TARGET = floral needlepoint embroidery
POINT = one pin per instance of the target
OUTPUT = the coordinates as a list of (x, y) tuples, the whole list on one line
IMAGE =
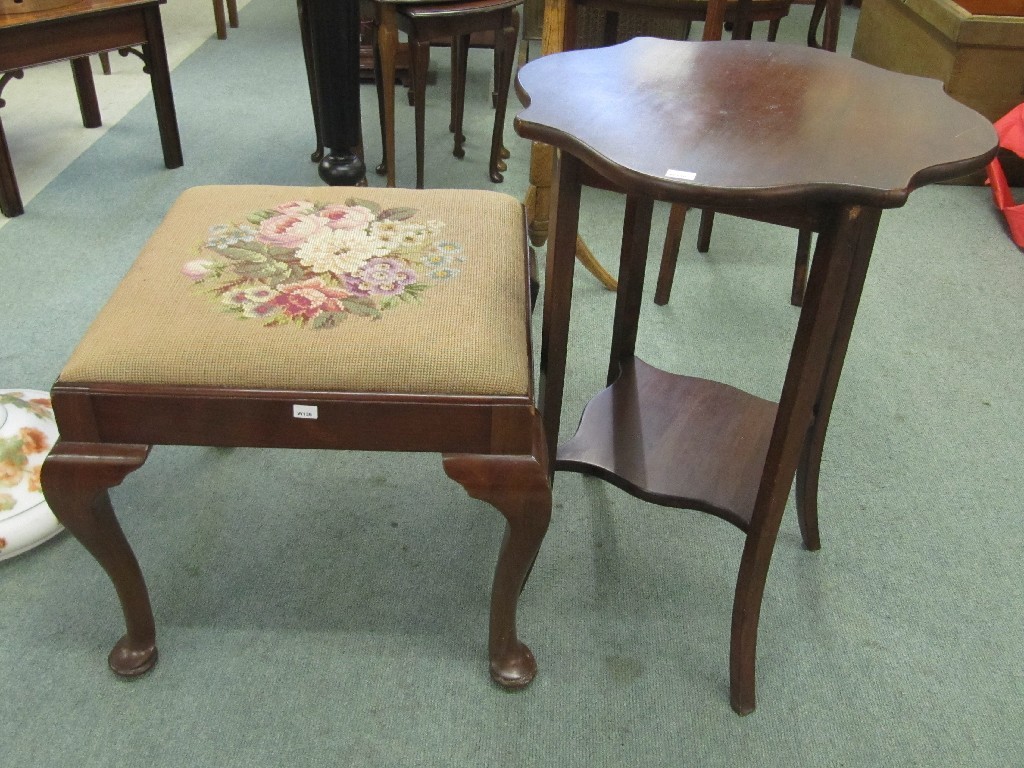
[(315, 264)]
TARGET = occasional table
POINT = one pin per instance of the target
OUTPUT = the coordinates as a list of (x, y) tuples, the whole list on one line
[(74, 31), (559, 34), (783, 134)]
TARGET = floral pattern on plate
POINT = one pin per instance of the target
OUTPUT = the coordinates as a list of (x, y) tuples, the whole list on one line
[(27, 433)]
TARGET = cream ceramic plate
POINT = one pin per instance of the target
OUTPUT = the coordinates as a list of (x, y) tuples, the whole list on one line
[(27, 432)]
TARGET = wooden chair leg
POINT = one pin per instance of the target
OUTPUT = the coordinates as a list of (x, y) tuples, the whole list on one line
[(587, 258), (307, 55), (387, 51), (105, 62), (518, 487), (670, 254), (10, 198), (497, 72), (453, 101), (420, 57), (219, 20), (233, 14), (504, 45), (773, 29), (803, 257), (378, 78), (75, 480), (516, 21), (707, 222), (85, 87), (495, 75), (461, 43)]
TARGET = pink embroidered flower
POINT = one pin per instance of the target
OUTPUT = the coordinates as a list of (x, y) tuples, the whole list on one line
[(309, 298), (197, 269), (296, 208), (288, 231), (381, 277), (253, 300), (347, 216), (337, 260)]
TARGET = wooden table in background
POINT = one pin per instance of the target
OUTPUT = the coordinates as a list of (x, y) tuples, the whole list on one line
[(75, 32)]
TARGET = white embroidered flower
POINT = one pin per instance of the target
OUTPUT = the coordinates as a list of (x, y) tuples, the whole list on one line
[(340, 251), (400, 234)]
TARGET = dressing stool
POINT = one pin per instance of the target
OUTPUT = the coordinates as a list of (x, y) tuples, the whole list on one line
[(283, 317)]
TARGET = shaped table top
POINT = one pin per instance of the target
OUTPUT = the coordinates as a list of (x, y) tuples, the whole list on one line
[(739, 122)]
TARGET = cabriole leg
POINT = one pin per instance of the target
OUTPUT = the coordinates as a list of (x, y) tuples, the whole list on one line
[(518, 487), (75, 480)]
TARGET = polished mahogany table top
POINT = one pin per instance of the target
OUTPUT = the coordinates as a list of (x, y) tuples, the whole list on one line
[(736, 121)]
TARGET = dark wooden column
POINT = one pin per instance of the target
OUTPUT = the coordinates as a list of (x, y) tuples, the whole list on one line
[(333, 26)]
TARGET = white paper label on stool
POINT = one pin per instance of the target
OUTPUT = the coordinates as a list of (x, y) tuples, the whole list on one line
[(304, 411), (672, 173)]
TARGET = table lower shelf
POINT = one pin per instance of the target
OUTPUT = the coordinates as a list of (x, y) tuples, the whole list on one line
[(674, 440)]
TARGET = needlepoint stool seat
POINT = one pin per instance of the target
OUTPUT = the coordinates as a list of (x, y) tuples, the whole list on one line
[(390, 320)]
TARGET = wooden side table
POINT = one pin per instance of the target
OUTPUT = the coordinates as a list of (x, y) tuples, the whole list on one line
[(559, 34), (80, 30), (783, 134)]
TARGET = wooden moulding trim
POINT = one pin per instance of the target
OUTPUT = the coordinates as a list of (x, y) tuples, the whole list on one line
[(29, 44), (993, 7), (18, 7), (72, 408), (527, 292), (667, 190), (960, 24), (260, 419), (427, 12)]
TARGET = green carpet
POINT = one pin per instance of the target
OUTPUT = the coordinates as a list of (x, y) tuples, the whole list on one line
[(325, 609)]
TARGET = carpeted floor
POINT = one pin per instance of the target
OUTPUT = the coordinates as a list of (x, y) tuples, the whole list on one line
[(319, 609)]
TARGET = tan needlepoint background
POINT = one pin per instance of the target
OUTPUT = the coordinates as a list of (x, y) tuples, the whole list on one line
[(466, 335)]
